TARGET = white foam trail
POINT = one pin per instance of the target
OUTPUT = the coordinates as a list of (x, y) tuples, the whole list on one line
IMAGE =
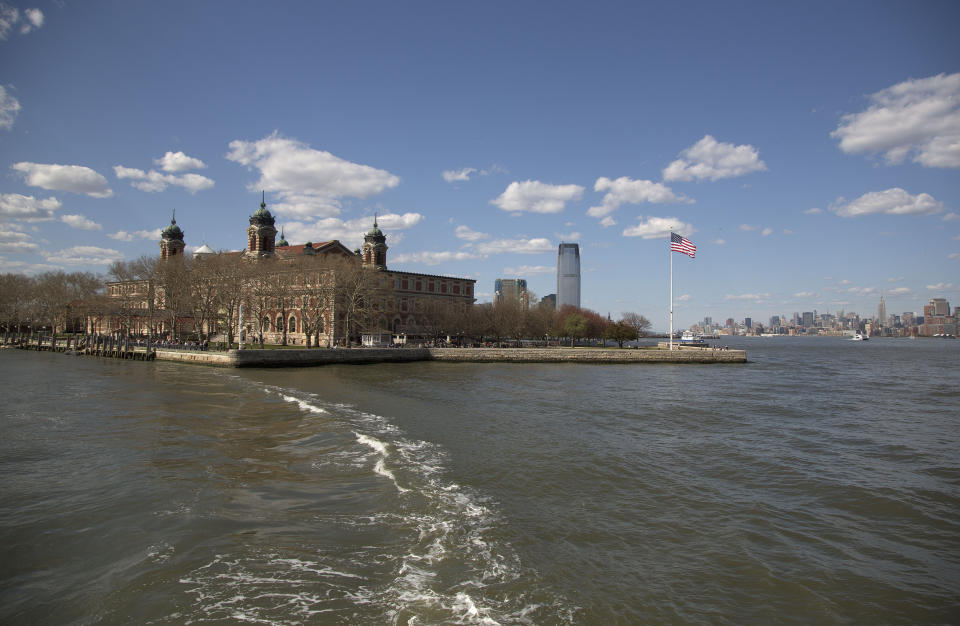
[(380, 467), (306, 406)]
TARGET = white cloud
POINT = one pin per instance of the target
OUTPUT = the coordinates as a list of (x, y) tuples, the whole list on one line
[(122, 235), (608, 221), (14, 241), (684, 298), (154, 181), (574, 236), (659, 227), (719, 242), (84, 255), (755, 297), (19, 207), (949, 217), (81, 222), (434, 258), (899, 291), (955, 255), (529, 270), (747, 227), (34, 17), (814, 211), (625, 190), (178, 162), (309, 182), (349, 232), (10, 17), (919, 117), (73, 178), (452, 176), (766, 231), (713, 160), (468, 234), (804, 294), (895, 279), (537, 197), (9, 108), (893, 201), (518, 246), (940, 286)]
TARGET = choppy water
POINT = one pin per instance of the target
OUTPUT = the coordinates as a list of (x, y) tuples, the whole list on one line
[(819, 483)]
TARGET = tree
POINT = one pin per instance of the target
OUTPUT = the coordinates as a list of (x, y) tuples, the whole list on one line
[(16, 300), (258, 298), (620, 332), (313, 295), (355, 290), (639, 323), (575, 327)]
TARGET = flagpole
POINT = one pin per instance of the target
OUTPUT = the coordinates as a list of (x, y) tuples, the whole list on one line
[(670, 252)]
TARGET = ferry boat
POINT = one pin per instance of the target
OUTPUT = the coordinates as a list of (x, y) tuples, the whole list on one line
[(688, 338), (860, 337)]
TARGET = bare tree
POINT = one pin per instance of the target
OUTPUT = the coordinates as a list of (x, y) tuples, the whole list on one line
[(16, 300), (638, 323)]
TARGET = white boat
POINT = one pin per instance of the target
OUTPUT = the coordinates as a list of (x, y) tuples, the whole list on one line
[(688, 338), (860, 337)]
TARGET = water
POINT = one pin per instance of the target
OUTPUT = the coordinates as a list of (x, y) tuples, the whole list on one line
[(819, 483)]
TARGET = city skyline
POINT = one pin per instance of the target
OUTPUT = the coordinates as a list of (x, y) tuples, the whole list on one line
[(811, 152)]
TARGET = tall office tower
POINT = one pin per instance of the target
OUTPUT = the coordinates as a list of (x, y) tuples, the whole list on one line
[(882, 312), (568, 275), (510, 290)]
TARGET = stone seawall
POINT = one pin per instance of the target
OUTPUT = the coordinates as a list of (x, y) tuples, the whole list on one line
[(321, 356)]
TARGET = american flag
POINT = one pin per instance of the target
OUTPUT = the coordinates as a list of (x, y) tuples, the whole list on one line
[(682, 244)]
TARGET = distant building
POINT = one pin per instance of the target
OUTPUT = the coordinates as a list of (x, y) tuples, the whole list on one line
[(882, 312), (807, 319), (748, 322), (774, 321), (510, 290), (568, 275), (937, 319), (549, 300)]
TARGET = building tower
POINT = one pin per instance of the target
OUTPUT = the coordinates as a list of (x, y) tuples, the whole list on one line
[(171, 239), (261, 234), (568, 275), (374, 249), (511, 290), (282, 241), (882, 312)]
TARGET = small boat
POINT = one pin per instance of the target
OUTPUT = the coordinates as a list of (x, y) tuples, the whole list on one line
[(860, 337)]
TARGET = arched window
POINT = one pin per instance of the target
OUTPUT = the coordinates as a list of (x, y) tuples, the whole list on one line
[(293, 324), (280, 324)]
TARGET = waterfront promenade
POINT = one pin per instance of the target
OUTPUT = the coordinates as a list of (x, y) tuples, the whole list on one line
[(326, 356)]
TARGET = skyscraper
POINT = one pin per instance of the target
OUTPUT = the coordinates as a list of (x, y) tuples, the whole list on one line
[(510, 290), (568, 275), (882, 312)]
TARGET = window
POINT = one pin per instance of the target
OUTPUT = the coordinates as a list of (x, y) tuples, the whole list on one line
[(456, 289), (279, 324), (419, 285), (293, 324), (443, 287), (404, 284)]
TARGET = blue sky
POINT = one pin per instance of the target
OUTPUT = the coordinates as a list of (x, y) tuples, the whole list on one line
[(811, 151)]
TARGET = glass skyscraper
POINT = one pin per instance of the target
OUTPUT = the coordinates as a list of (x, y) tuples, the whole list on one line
[(568, 275)]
